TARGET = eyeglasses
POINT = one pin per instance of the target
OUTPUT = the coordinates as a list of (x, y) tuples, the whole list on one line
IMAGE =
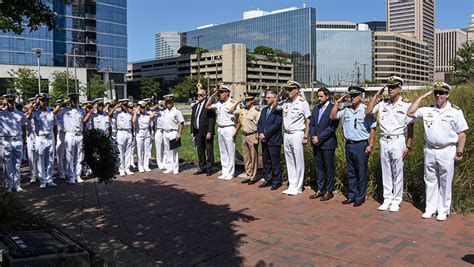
[(440, 92), (201, 95)]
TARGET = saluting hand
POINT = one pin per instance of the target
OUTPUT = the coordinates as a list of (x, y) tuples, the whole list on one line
[(430, 92), (342, 98)]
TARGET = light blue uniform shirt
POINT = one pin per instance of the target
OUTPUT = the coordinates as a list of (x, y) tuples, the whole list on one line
[(355, 124)]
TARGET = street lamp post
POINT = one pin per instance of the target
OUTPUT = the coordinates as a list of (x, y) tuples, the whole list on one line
[(75, 70), (38, 55), (199, 56)]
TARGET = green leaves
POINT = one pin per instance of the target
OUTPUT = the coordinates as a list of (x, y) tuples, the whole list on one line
[(95, 88), (149, 87), (24, 82), (463, 64), (16, 14)]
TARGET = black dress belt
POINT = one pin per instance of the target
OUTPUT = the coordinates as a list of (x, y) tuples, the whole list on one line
[(354, 142), (246, 134)]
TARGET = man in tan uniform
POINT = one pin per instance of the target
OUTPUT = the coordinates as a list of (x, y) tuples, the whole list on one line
[(248, 120)]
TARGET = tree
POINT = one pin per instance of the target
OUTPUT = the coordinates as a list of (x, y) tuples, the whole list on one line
[(463, 64), (24, 82), (149, 87), (16, 14), (95, 87), (59, 85), (263, 50), (187, 88)]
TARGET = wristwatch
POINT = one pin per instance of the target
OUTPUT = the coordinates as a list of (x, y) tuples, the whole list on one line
[(458, 154)]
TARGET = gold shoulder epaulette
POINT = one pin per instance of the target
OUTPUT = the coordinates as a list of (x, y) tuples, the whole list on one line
[(302, 98), (232, 101), (455, 107), (406, 100)]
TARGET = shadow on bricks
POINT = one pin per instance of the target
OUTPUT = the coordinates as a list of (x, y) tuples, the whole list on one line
[(141, 222)]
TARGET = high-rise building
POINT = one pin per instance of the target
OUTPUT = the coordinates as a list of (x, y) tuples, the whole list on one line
[(231, 65), (377, 26), (344, 53), (91, 36), (447, 42), (415, 17), (291, 31), (167, 44), (470, 30), (402, 55)]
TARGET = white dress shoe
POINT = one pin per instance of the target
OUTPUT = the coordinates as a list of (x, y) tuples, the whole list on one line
[(141, 170), (384, 206), (128, 172), (427, 215), (19, 189), (394, 208), (221, 177), (79, 180), (43, 186), (122, 173), (175, 172), (148, 170), (167, 171), (441, 217), (228, 178), (51, 184)]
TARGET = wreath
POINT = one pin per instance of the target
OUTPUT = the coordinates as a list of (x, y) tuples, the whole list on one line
[(101, 154)]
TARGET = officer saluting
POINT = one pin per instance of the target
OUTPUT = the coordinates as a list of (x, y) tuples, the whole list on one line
[(225, 131), (100, 118), (44, 121), (123, 120), (74, 119), (248, 120), (445, 137), (30, 142), (13, 138), (394, 123), (359, 131), (296, 118)]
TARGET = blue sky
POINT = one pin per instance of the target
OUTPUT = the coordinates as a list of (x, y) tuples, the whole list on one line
[(145, 17)]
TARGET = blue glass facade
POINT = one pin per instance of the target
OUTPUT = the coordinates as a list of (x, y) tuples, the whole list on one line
[(96, 30), (292, 32), (342, 56)]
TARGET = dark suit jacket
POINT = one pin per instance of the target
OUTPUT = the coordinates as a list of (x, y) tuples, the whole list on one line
[(271, 126), (207, 120), (325, 129)]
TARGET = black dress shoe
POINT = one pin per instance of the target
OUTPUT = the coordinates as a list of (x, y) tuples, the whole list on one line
[(208, 172), (327, 196), (317, 195), (357, 204), (275, 186), (348, 201), (265, 184), (200, 171), (245, 181), (253, 181)]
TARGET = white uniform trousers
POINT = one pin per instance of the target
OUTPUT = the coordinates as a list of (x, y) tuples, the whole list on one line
[(133, 151), (74, 155), (439, 172), (44, 147), (391, 159), (160, 149), (31, 154), (143, 151), (172, 156), (61, 153), (124, 143), (294, 157), (227, 150), (12, 153)]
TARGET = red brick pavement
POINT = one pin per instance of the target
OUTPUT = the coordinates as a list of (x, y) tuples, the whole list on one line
[(187, 219)]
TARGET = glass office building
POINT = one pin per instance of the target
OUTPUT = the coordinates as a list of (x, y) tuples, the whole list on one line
[(292, 32), (90, 34), (344, 57)]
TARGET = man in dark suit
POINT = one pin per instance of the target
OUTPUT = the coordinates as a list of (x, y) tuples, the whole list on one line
[(269, 134), (202, 131), (323, 137)]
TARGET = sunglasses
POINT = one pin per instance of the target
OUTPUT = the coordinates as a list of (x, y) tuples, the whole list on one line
[(201, 94), (440, 92)]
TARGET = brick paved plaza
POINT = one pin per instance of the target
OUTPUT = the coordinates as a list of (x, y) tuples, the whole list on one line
[(197, 220)]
